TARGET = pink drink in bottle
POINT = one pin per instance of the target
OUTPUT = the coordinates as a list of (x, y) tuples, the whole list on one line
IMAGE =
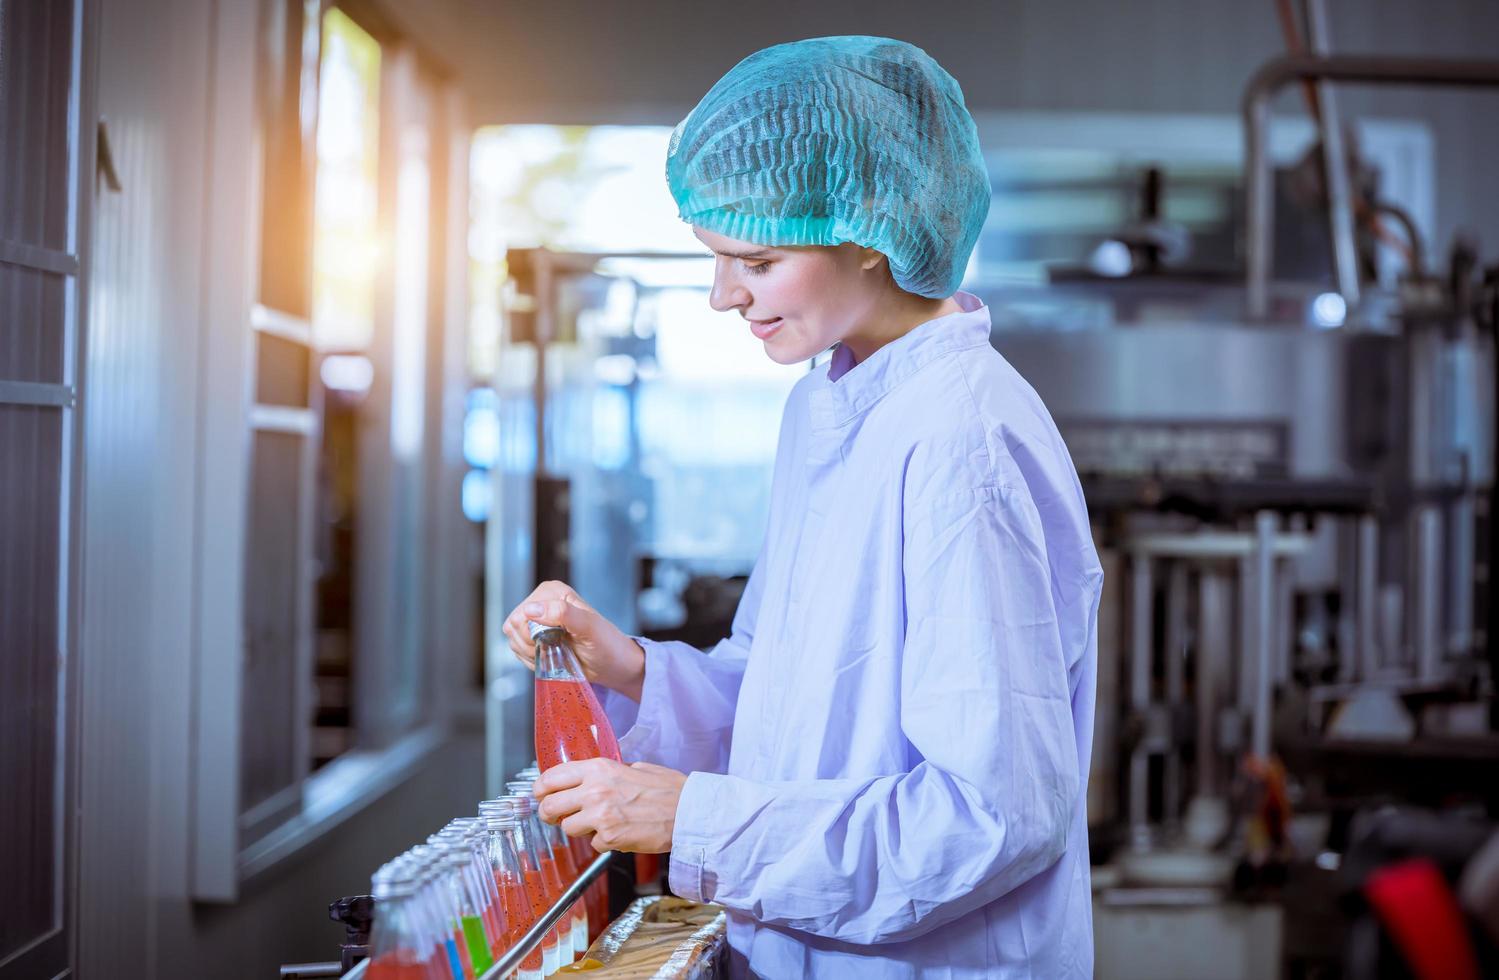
[(570, 722)]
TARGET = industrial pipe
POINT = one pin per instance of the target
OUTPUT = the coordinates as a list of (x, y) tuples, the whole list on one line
[(1270, 79)]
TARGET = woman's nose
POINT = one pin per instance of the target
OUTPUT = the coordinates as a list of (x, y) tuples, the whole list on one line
[(727, 292)]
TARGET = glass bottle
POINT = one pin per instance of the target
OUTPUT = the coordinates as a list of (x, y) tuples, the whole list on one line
[(554, 842), (509, 876), (442, 909), (471, 831), (524, 807), (400, 949), (463, 880), (415, 871), (583, 856), (556, 950), (570, 722)]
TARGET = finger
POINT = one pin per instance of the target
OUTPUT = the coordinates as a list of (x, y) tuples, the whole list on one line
[(579, 824), (565, 612), (548, 612), (573, 599), (565, 776), (560, 805), (517, 629), (526, 654)]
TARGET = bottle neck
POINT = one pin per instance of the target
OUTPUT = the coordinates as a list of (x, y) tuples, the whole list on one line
[(555, 660)]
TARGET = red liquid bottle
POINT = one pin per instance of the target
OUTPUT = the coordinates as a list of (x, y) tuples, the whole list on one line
[(570, 723), (521, 907), (551, 842), (399, 949), (516, 869), (597, 897)]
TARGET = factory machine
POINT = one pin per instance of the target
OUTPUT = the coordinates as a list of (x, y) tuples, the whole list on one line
[(1292, 483)]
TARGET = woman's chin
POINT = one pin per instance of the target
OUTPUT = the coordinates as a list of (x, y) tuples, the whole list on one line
[(784, 354), (785, 349)]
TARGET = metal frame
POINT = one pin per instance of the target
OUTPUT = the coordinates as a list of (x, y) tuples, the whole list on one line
[(225, 366), (1275, 75), (38, 394), (37, 258), (56, 954)]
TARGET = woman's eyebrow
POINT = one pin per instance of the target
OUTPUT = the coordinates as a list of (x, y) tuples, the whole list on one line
[(758, 253)]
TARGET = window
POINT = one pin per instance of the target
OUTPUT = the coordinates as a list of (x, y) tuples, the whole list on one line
[(345, 262), (39, 179), (336, 475), (610, 491)]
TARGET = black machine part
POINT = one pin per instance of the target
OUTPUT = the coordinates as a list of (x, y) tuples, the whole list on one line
[(357, 913)]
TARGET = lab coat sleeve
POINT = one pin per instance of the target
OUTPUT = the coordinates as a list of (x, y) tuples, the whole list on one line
[(686, 711), (985, 706)]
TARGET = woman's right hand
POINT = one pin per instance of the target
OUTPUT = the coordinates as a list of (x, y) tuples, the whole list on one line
[(607, 655)]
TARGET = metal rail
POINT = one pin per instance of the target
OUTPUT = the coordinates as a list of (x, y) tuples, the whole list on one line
[(1335, 68), (512, 958), (1334, 164)]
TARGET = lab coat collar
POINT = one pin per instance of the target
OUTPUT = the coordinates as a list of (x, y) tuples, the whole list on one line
[(847, 390)]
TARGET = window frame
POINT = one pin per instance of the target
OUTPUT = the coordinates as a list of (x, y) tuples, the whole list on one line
[(55, 954), (231, 853)]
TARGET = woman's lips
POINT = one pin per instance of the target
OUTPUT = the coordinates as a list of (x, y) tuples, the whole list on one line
[(765, 329)]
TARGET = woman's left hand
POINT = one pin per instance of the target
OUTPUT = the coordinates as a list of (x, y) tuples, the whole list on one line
[(624, 808)]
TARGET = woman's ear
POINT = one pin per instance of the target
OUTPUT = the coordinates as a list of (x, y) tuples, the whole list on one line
[(870, 258)]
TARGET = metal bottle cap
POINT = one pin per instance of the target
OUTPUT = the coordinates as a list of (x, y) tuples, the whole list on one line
[(539, 628)]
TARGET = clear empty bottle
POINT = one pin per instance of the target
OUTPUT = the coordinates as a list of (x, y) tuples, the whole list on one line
[(570, 722)]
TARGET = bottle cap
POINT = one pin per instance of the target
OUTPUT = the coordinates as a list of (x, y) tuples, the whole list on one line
[(497, 814), (539, 628)]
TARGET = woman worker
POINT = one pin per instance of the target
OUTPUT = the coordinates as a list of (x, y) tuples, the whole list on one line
[(880, 773)]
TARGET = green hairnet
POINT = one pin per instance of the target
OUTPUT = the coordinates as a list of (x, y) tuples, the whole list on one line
[(838, 139)]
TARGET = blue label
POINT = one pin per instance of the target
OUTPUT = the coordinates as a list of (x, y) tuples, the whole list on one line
[(454, 961)]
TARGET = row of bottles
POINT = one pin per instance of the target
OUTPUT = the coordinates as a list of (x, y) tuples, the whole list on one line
[(450, 908)]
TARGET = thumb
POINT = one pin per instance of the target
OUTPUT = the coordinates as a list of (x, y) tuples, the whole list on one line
[(560, 612)]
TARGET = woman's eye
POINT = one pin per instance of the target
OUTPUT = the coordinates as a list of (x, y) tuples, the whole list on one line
[(758, 269)]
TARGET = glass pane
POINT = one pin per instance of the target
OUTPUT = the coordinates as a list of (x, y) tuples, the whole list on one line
[(32, 315), (36, 57), (657, 508), (283, 371), (272, 578), (346, 213), (30, 459)]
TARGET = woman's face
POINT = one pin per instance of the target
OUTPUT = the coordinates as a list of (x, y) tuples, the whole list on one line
[(798, 300)]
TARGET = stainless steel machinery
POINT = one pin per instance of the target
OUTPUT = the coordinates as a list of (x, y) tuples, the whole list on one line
[(1296, 505)]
